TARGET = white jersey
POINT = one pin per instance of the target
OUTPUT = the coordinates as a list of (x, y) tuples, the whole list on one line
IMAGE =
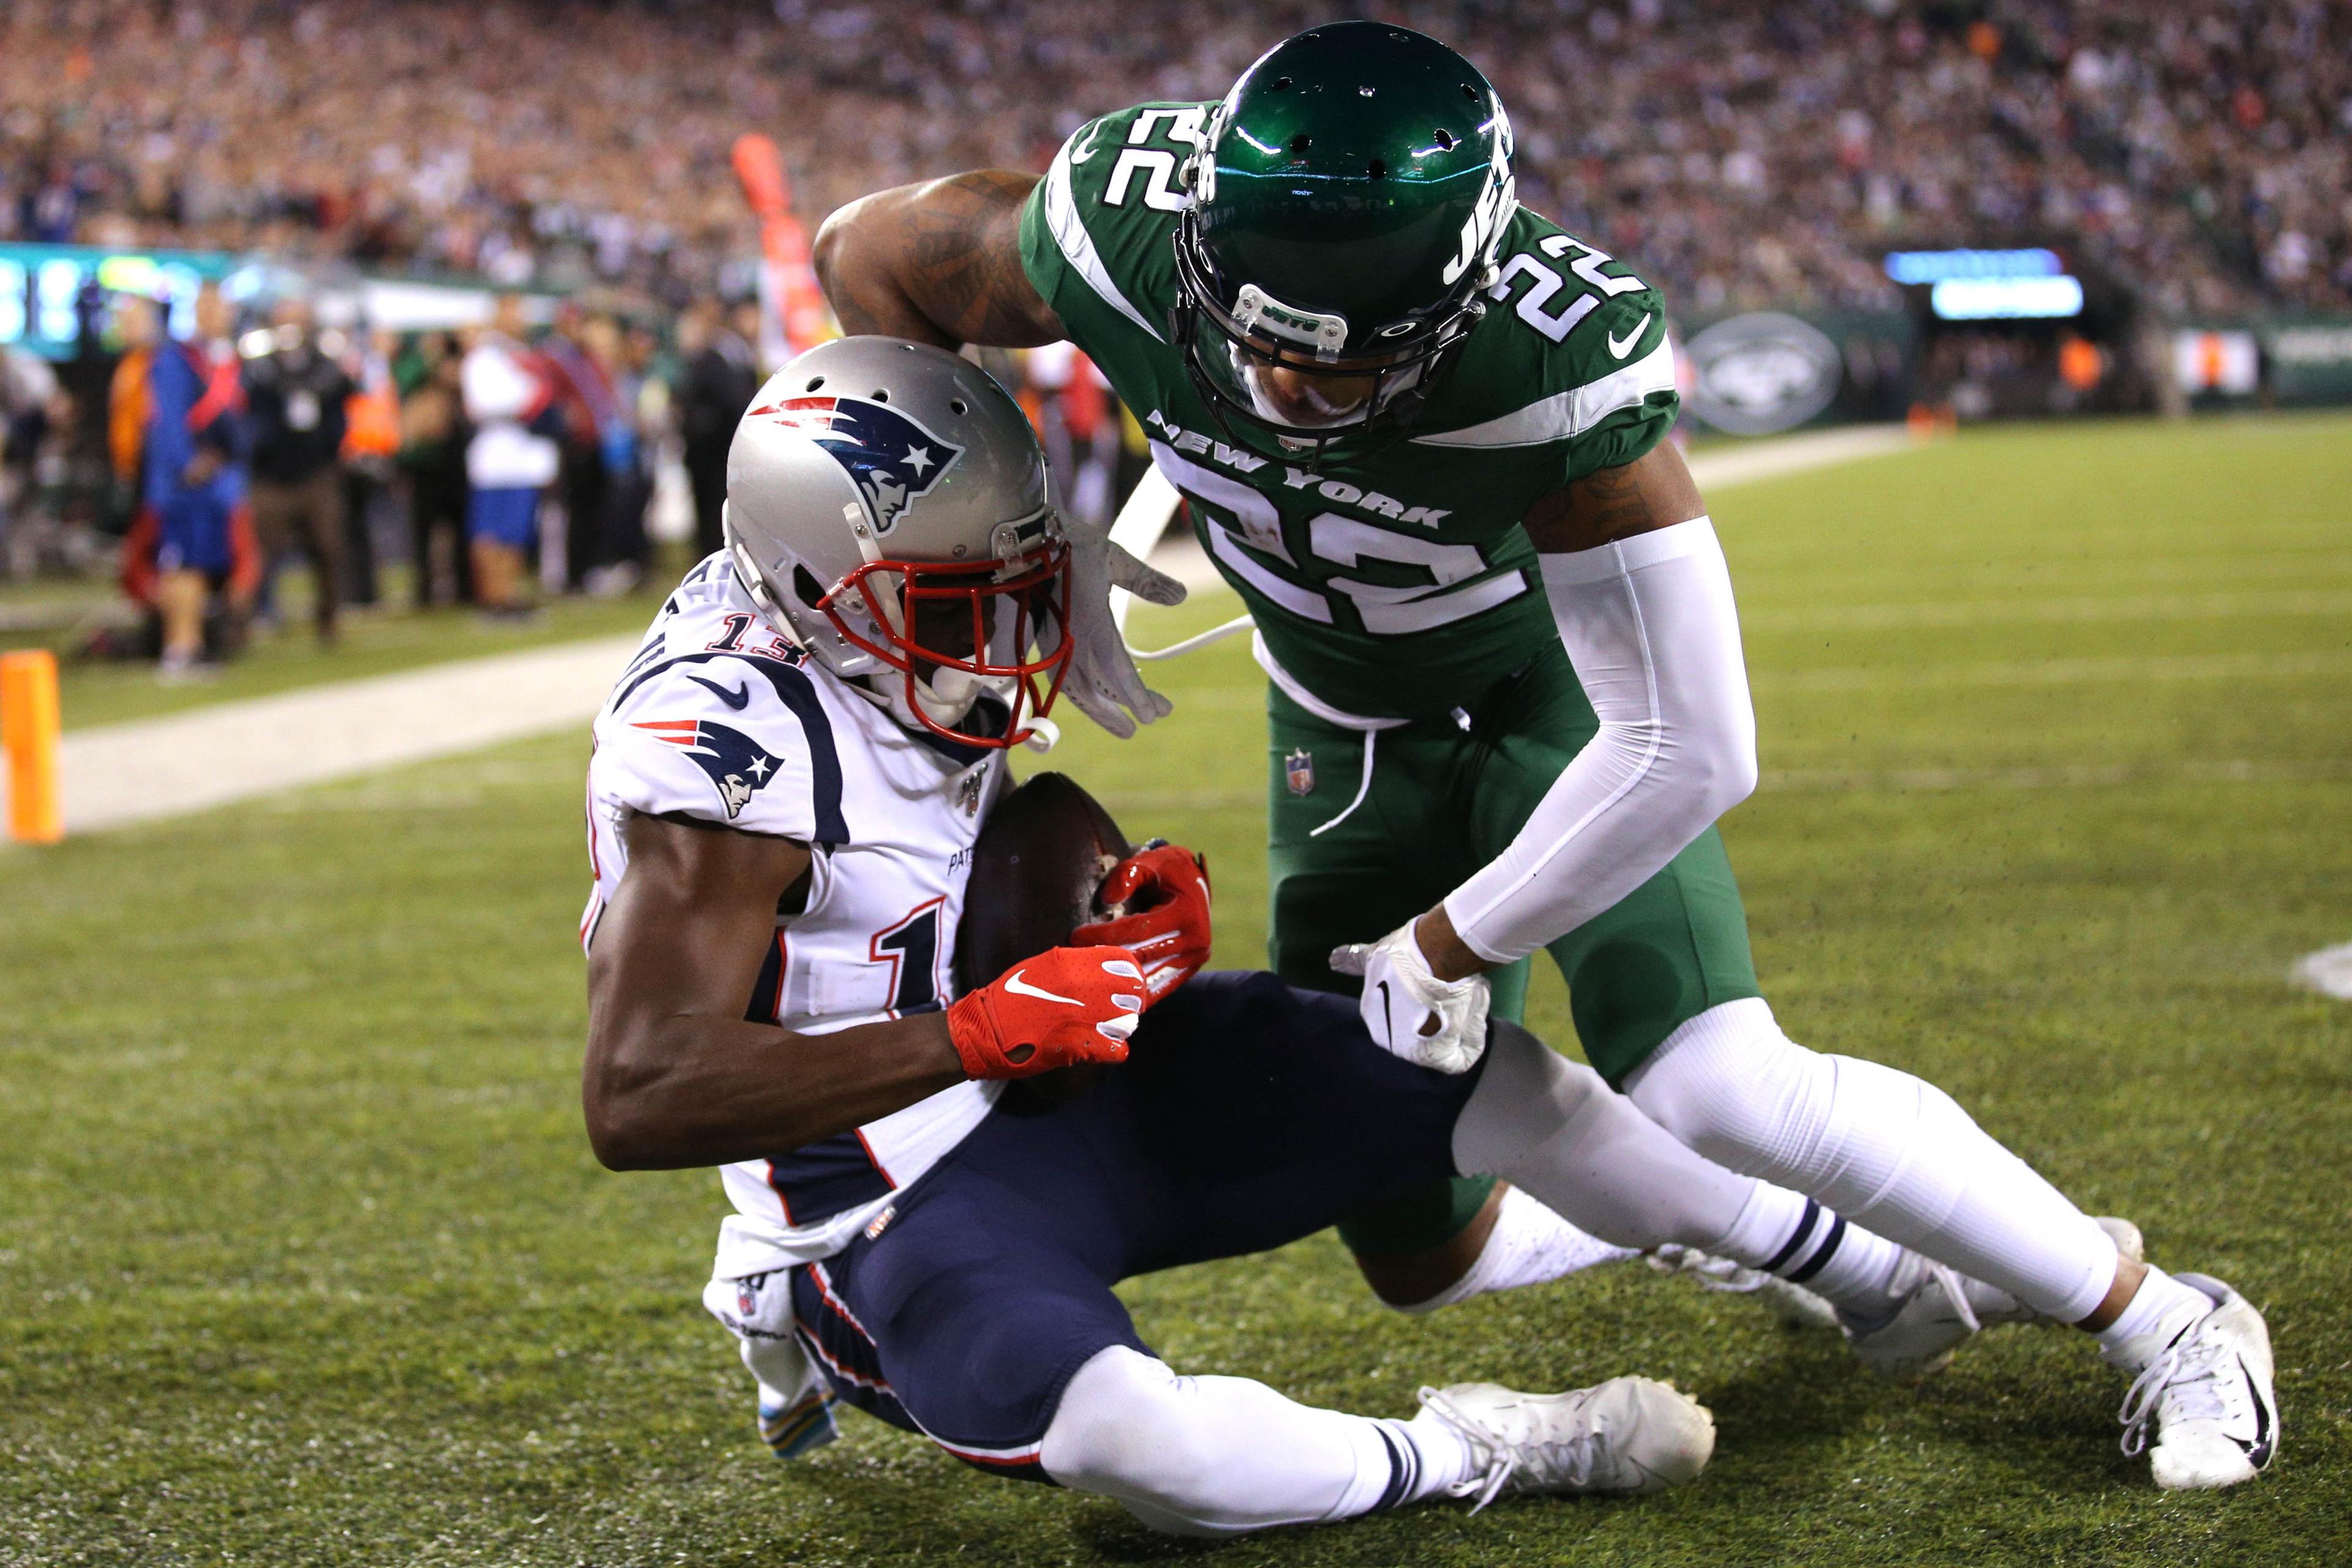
[(501, 396), (717, 720)]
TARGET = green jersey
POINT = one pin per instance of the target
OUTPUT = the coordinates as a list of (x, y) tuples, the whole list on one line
[(1397, 584)]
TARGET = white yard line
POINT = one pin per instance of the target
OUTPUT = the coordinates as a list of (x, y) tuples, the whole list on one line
[(2328, 972), (1719, 468), (116, 775)]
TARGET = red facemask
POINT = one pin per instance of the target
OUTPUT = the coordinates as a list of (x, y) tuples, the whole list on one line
[(911, 594)]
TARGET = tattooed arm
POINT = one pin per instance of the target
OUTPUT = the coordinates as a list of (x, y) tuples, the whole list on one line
[(937, 262), (1654, 491)]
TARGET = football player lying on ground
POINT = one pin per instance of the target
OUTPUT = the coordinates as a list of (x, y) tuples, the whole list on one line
[(1421, 431), (789, 781)]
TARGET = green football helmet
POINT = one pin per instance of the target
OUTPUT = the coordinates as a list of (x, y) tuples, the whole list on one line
[(1347, 201)]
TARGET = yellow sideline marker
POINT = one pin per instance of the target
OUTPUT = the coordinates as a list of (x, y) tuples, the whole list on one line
[(28, 732)]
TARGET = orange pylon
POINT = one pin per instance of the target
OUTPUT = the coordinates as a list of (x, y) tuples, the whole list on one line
[(28, 732)]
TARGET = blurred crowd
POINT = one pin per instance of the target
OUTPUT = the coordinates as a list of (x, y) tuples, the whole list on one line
[(1745, 153), (486, 468), (497, 463)]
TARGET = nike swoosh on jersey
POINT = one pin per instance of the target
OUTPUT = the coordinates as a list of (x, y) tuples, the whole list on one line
[(736, 698), (1085, 149), (1020, 987), (1621, 347)]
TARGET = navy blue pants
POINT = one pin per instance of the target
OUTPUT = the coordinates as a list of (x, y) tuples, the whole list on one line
[(1249, 1115)]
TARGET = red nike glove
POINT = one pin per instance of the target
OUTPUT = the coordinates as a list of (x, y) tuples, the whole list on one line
[(1066, 1006), (1169, 935)]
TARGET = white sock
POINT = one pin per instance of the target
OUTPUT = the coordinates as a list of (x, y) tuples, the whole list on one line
[(1883, 1148), (1218, 1456), (1528, 1245), (1447, 1459), (1792, 1236), (2151, 1320)]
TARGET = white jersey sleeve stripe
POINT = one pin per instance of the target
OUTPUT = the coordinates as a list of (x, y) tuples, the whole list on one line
[(1077, 246), (1570, 413)]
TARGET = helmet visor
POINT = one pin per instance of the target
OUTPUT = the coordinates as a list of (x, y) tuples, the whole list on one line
[(1298, 392)]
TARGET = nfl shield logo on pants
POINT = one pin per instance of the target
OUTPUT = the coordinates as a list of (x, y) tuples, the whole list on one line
[(1299, 767)]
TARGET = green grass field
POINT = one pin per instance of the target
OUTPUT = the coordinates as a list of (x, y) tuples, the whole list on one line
[(303, 1258)]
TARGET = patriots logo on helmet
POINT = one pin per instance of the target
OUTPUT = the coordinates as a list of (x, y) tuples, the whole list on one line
[(890, 458), (738, 766)]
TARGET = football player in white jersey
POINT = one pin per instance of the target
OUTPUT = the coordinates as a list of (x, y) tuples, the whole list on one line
[(788, 782)]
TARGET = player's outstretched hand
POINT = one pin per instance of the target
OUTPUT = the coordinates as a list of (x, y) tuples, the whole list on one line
[(1169, 933), (1413, 1014), (1103, 680), (1066, 1006)]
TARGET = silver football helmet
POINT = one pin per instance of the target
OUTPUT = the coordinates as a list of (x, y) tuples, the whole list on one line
[(888, 507)]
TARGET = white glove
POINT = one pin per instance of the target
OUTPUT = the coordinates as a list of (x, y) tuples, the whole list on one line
[(1102, 679), (1413, 1014)]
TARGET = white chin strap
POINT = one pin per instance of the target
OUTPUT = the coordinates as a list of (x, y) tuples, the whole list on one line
[(947, 695), (945, 698), (937, 699)]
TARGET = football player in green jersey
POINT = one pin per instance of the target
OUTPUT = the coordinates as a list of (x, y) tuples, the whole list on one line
[(1421, 431)]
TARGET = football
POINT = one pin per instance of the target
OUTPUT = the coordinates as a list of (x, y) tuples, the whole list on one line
[(1040, 857)]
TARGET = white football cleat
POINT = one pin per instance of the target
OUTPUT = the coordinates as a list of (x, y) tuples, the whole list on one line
[(1627, 1435), (1931, 1320), (2208, 1394), (1793, 1305)]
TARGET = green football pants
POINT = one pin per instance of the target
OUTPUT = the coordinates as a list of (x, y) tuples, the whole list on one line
[(1352, 857)]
